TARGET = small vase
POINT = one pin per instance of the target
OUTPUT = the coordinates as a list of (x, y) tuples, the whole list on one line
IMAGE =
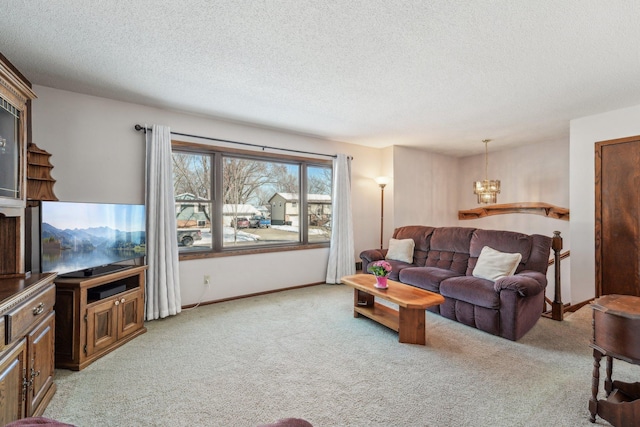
[(381, 282)]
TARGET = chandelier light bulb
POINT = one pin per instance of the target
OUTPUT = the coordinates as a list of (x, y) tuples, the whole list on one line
[(486, 190)]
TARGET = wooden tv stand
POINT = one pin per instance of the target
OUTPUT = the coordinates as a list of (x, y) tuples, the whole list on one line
[(89, 326)]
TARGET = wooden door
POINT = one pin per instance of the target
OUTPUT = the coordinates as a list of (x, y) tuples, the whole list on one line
[(40, 369), (617, 217), (13, 369), (131, 315), (102, 324)]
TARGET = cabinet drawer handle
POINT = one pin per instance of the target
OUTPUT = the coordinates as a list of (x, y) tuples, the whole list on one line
[(117, 302), (122, 301), (39, 309)]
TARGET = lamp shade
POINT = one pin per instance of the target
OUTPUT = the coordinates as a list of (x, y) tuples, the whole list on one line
[(383, 180)]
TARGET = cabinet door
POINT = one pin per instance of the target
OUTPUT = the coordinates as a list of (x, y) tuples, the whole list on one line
[(13, 369), (131, 313), (40, 345), (102, 325)]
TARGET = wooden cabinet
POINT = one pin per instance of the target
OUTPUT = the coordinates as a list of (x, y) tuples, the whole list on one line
[(95, 315), (15, 102), (27, 346), (27, 319)]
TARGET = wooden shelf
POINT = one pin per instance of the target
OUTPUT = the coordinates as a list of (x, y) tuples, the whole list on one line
[(535, 208), (39, 181), (381, 314)]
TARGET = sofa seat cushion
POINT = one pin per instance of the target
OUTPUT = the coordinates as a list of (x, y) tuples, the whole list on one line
[(473, 290), (428, 278)]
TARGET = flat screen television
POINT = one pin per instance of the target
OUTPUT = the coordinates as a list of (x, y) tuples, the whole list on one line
[(90, 239)]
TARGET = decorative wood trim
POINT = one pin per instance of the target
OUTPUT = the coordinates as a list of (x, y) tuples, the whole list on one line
[(537, 208), (17, 91)]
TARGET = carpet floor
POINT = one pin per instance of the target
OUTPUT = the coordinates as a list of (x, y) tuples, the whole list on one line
[(301, 353)]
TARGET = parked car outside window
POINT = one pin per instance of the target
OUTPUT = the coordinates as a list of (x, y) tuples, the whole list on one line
[(258, 221), (186, 237), (242, 222)]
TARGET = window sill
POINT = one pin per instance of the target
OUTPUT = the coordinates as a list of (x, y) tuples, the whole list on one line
[(207, 254)]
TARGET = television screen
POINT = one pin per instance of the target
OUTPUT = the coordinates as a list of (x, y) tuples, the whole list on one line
[(80, 237)]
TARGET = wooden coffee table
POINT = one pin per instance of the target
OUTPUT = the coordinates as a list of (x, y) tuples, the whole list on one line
[(408, 321)]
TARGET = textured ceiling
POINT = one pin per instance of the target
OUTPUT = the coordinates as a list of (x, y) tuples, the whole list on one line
[(440, 75)]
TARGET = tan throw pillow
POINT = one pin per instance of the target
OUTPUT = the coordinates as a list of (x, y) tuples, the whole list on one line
[(401, 250), (494, 264)]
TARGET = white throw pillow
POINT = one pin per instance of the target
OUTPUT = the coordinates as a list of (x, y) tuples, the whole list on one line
[(401, 250), (494, 264)]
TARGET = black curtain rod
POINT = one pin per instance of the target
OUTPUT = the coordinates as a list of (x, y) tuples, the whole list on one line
[(263, 147)]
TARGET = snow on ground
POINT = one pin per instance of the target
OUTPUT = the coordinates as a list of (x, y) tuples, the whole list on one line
[(245, 236), (295, 229), (242, 236)]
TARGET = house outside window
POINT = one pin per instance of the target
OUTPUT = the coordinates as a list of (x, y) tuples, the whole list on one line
[(231, 201)]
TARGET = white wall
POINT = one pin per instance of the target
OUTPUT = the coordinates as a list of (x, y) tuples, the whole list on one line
[(532, 173), (99, 157), (426, 188), (585, 132)]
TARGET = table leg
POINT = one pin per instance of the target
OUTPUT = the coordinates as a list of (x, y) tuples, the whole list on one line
[(608, 384), (362, 299), (411, 327), (595, 382)]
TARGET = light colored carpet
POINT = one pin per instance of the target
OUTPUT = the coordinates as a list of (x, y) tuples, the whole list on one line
[(300, 353)]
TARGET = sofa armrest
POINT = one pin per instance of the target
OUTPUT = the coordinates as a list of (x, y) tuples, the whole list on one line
[(525, 283), (371, 255)]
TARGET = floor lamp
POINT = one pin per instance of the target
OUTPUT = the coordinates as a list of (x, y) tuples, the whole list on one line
[(382, 182)]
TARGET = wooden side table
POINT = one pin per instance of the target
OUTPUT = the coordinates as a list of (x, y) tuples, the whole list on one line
[(616, 335)]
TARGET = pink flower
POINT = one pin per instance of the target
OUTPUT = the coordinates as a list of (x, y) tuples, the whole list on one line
[(380, 268)]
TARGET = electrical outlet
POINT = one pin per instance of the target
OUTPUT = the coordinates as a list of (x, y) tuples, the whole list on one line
[(207, 280)]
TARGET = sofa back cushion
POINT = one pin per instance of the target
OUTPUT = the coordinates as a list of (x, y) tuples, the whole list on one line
[(503, 241), (421, 235), (450, 248), (540, 253)]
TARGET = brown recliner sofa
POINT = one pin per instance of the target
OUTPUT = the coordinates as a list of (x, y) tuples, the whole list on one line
[(443, 262)]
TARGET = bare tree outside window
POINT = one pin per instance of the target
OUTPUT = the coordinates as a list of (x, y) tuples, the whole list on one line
[(249, 186), (192, 189), (259, 197)]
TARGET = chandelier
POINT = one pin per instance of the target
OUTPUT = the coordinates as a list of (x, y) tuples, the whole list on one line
[(487, 190)]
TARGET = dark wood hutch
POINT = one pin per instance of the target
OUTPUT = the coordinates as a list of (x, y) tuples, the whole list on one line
[(27, 319)]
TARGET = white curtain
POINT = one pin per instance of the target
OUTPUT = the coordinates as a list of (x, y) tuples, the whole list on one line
[(163, 282), (341, 258)]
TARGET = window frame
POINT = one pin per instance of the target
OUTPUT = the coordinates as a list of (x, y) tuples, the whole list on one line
[(217, 154)]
